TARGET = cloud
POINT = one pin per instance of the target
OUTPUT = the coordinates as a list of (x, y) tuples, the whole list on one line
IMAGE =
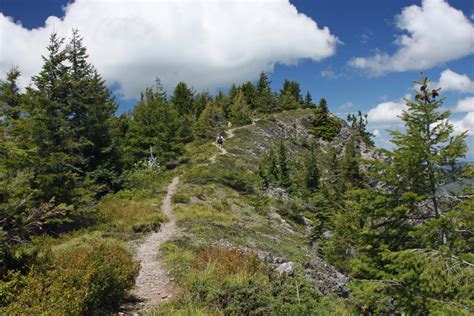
[(207, 44), (346, 106), (329, 74), (452, 81), (465, 105), (464, 124), (386, 113), (437, 33)]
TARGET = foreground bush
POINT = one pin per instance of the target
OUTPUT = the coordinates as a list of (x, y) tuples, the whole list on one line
[(223, 281), (87, 275)]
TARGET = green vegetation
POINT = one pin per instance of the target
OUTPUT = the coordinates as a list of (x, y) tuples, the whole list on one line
[(79, 186)]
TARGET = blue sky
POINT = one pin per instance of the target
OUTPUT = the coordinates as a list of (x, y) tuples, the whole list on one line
[(392, 39)]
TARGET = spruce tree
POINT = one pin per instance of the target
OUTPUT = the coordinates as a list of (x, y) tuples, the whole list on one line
[(210, 122), (91, 108), (10, 98), (287, 101), (58, 173), (154, 126), (265, 100), (308, 101), (250, 94), (292, 88), (350, 165), (312, 174), (183, 98), (427, 148), (284, 170), (239, 110)]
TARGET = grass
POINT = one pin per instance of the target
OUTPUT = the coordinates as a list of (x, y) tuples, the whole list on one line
[(220, 209)]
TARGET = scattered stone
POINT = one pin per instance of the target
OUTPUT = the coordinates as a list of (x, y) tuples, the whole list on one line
[(171, 165), (286, 268)]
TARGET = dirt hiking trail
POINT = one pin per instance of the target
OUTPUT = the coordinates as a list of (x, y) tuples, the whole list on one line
[(153, 285), (230, 134)]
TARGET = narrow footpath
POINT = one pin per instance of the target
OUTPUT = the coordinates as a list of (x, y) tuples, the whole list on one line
[(153, 285)]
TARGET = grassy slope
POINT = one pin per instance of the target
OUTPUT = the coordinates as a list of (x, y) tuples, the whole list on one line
[(225, 209)]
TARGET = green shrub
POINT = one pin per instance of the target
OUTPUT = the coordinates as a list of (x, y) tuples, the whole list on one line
[(181, 198), (87, 275), (150, 224)]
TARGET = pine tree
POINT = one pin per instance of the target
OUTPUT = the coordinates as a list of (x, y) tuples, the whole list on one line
[(287, 101), (427, 148), (154, 126), (210, 122), (183, 98), (239, 110), (326, 126), (58, 173), (265, 100), (10, 98), (359, 124), (200, 102), (350, 165), (323, 106), (292, 88), (284, 170), (250, 94), (91, 108), (308, 101), (312, 174)]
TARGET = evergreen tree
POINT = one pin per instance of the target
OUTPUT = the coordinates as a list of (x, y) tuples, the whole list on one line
[(10, 98), (183, 98), (58, 173), (200, 102), (292, 88), (284, 170), (350, 165), (323, 106), (91, 108), (223, 102), (210, 122), (308, 101), (359, 124), (312, 175), (239, 110), (326, 126), (427, 148), (265, 100), (154, 127), (287, 102), (250, 94)]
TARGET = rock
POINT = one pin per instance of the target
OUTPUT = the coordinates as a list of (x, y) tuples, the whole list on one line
[(183, 160), (279, 260), (171, 165), (164, 296), (286, 268), (328, 234)]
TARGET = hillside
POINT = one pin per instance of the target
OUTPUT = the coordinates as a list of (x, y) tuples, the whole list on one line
[(297, 213), (220, 210)]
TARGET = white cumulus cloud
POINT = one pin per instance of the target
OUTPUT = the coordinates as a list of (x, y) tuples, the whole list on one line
[(465, 105), (437, 33), (207, 44), (464, 124), (386, 113), (452, 81)]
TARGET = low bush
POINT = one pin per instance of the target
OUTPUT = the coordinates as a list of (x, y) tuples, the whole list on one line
[(180, 198), (86, 276), (150, 223)]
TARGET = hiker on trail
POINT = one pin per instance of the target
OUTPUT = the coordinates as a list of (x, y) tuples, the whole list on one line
[(254, 114), (219, 140), (229, 125)]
